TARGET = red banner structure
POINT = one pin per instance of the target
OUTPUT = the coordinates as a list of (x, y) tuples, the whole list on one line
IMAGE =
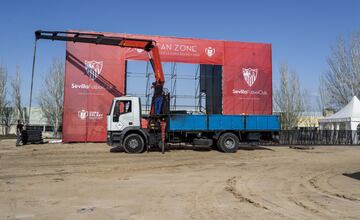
[(94, 74)]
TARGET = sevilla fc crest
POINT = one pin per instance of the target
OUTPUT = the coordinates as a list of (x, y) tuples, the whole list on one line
[(93, 68), (139, 50), (82, 114), (210, 51), (250, 75)]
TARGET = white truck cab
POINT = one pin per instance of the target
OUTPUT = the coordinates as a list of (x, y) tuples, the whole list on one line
[(124, 112), (124, 124), (124, 127)]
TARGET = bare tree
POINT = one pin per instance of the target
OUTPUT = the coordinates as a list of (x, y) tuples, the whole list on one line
[(4, 103), (323, 99), (7, 118), (3, 81), (289, 98), (342, 80), (6, 110), (16, 95), (52, 95)]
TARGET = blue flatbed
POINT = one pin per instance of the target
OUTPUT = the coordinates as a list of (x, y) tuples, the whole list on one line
[(223, 122)]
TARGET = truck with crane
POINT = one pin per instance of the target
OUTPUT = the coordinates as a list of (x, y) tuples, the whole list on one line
[(127, 127)]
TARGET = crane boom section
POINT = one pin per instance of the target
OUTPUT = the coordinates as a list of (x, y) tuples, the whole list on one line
[(92, 38)]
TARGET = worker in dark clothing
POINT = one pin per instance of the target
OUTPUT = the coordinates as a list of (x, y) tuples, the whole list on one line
[(19, 129), (158, 97)]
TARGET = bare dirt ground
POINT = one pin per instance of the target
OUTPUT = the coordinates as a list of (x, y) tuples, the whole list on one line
[(86, 181)]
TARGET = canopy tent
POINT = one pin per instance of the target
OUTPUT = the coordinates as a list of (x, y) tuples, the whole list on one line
[(348, 118)]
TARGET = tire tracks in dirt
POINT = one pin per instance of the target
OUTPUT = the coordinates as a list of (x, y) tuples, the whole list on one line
[(231, 187), (278, 198), (314, 182), (315, 200)]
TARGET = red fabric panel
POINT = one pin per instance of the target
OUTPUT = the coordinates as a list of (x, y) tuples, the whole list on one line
[(247, 78), (184, 50), (94, 75), (173, 49)]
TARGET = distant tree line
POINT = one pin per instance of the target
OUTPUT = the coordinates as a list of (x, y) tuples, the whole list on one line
[(52, 96), (49, 97), (11, 108), (336, 88), (342, 80), (289, 98)]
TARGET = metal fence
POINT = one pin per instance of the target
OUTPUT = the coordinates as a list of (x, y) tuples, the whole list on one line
[(318, 137)]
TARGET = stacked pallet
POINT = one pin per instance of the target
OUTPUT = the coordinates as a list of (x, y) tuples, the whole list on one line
[(32, 137)]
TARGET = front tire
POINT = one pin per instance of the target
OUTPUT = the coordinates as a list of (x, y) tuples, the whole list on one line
[(228, 143), (134, 144)]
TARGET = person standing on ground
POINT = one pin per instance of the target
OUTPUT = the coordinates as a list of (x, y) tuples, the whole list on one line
[(19, 129)]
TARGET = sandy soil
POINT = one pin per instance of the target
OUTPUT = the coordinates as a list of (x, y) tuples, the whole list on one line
[(86, 181)]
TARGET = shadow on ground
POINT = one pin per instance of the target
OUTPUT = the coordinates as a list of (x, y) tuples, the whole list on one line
[(190, 147), (117, 150), (254, 147), (353, 175)]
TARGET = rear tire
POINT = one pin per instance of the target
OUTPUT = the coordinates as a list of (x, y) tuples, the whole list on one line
[(228, 143), (134, 144)]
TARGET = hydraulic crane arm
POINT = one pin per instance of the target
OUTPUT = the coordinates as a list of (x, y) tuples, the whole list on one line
[(148, 45), (156, 65)]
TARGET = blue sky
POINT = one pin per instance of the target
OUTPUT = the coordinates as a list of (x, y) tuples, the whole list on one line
[(300, 32)]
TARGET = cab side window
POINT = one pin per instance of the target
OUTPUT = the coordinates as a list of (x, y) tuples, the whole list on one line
[(121, 107), (126, 107)]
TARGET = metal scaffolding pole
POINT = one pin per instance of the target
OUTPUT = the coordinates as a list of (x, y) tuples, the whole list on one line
[(173, 79), (197, 89), (148, 88)]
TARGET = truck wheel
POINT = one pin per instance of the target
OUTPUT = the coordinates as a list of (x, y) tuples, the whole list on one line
[(134, 144), (228, 143)]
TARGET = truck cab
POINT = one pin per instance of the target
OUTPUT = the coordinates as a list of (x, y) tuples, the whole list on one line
[(123, 119), (124, 112)]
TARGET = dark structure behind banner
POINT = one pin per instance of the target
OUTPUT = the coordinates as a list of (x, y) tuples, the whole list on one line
[(211, 85)]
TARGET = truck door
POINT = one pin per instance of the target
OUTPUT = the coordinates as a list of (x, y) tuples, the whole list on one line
[(123, 115)]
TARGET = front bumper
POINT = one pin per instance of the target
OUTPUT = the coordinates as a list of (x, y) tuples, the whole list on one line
[(114, 138)]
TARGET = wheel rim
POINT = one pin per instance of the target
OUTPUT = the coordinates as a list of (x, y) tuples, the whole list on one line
[(133, 143), (229, 143)]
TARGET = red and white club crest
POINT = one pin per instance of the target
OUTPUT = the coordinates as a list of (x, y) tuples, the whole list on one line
[(139, 50), (93, 68), (250, 75), (210, 51), (83, 114)]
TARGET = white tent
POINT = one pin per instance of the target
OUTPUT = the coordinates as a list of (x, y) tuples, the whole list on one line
[(348, 118)]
